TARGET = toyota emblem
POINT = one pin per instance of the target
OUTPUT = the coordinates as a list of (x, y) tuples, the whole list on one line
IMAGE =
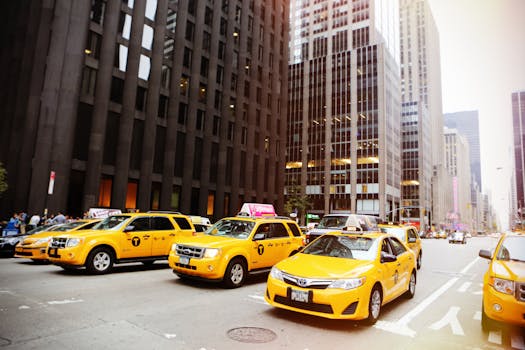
[(302, 282)]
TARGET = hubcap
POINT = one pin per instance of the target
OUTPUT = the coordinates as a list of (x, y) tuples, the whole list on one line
[(101, 261), (412, 284), (375, 303), (237, 273)]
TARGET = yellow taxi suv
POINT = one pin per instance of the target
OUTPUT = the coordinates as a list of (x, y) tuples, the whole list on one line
[(135, 237), (407, 235), (504, 283), (34, 247), (234, 247), (344, 276)]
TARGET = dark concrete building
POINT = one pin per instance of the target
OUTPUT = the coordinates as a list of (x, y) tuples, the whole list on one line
[(144, 104)]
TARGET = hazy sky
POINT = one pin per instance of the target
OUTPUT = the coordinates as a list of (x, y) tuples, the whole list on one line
[(482, 63)]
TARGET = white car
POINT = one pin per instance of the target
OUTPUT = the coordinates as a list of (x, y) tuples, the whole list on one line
[(457, 237)]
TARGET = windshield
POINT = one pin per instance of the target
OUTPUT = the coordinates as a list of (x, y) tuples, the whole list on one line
[(68, 226), (348, 247), (231, 228), (398, 232), (111, 223), (333, 221), (512, 248)]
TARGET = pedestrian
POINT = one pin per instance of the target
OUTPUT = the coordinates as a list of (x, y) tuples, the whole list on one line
[(12, 227), (33, 222), (22, 217), (59, 219)]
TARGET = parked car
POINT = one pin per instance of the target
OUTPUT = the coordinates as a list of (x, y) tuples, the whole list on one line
[(343, 222), (8, 243), (408, 235), (344, 276)]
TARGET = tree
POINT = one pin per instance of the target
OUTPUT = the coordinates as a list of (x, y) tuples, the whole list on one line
[(3, 179), (297, 201)]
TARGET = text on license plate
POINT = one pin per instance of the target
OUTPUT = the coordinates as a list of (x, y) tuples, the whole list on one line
[(184, 260), (299, 295)]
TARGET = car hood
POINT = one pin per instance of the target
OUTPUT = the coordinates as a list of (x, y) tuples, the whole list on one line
[(511, 270), (208, 241), (315, 266)]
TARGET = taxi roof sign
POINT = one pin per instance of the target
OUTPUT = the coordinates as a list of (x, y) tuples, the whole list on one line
[(258, 209)]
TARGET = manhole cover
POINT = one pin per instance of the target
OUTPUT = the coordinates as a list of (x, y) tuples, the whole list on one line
[(251, 335)]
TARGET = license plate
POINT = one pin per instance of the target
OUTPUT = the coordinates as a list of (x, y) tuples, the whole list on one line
[(299, 295), (184, 260)]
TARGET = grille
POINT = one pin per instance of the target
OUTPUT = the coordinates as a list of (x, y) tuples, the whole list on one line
[(327, 309), (190, 267), (192, 252), (520, 291), (58, 242), (311, 283)]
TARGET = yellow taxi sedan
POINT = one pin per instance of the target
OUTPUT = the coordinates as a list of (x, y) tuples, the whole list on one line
[(344, 276), (408, 235), (504, 283), (34, 247)]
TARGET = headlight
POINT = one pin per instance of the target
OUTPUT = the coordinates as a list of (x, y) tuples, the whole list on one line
[(348, 284), (174, 247), (11, 241), (276, 273), (211, 253), (73, 242), (503, 286), (43, 240)]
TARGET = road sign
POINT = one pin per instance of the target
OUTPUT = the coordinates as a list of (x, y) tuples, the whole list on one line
[(51, 183)]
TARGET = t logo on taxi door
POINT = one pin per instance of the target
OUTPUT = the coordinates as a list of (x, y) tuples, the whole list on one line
[(260, 249), (135, 241)]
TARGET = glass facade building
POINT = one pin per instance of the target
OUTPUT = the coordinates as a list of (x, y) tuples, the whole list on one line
[(144, 104), (518, 123), (343, 140)]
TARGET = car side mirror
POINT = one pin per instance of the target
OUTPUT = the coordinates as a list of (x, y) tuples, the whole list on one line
[(129, 228), (386, 258), (259, 236), (483, 253)]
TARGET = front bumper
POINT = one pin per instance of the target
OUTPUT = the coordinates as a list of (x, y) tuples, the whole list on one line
[(31, 252), (328, 303), (201, 268), (66, 256), (502, 307)]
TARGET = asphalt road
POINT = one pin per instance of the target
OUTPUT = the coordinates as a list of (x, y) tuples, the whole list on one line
[(138, 307)]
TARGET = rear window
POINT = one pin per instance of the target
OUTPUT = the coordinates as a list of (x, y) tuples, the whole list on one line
[(161, 224), (183, 223), (295, 230)]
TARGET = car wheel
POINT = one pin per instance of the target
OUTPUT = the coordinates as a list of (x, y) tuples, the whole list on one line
[(374, 306), (99, 261), (409, 294), (418, 262), (235, 274)]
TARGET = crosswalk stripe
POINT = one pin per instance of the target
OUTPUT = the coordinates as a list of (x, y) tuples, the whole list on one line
[(477, 316), (516, 341), (464, 287), (495, 337)]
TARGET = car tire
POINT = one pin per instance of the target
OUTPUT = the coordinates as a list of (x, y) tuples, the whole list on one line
[(418, 261), (235, 274), (374, 305), (411, 291), (99, 261)]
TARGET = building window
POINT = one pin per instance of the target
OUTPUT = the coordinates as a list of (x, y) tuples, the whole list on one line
[(93, 45), (220, 75), (190, 29), (131, 195), (89, 80), (163, 106), (184, 85), (208, 16), (183, 113), (201, 118), (202, 93), (117, 86), (224, 26), (206, 41), (98, 9), (186, 59), (218, 100), (216, 125), (165, 77), (221, 51), (140, 101), (204, 67), (104, 192), (231, 131)]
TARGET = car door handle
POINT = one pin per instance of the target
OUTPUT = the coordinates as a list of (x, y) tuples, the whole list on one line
[(146, 236), (172, 234), (270, 245)]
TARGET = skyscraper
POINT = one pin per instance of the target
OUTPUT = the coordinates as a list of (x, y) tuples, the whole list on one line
[(343, 141), (144, 104), (421, 120), (518, 122)]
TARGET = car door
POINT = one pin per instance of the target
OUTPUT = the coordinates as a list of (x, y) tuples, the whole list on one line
[(262, 248), (279, 243), (136, 238), (405, 262), (389, 271), (162, 234)]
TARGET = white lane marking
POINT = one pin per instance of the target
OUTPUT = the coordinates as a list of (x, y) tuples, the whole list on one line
[(516, 341), (259, 299), (451, 318), (170, 336), (479, 292), (477, 316), (23, 307), (464, 287), (67, 301), (495, 337), (401, 326)]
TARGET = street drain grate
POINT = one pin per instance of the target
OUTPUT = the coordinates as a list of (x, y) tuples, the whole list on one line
[(251, 335)]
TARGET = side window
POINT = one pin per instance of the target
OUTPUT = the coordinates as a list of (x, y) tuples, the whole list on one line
[(264, 228), (397, 246), (183, 223), (279, 231), (161, 224), (89, 226), (295, 230), (140, 224), (411, 234), (385, 247)]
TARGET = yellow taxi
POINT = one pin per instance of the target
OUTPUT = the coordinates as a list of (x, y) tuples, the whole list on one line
[(408, 235), (133, 237), (34, 247), (344, 276), (234, 247), (504, 283)]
